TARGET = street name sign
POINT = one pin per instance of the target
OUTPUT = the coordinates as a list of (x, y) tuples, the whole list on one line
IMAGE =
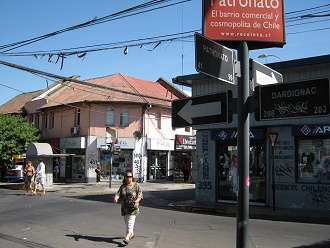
[(214, 59), (260, 23), (293, 100), (263, 75), (201, 110)]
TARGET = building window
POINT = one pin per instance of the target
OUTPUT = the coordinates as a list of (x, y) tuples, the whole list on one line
[(158, 120), (78, 117), (109, 116), (52, 120), (124, 117), (32, 119), (38, 121), (46, 121), (314, 160)]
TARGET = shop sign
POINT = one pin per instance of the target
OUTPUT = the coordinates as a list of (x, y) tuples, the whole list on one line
[(124, 143), (230, 134), (185, 142), (311, 130), (261, 23), (160, 145), (77, 142)]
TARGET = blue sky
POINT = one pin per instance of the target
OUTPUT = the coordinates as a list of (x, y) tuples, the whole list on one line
[(26, 19)]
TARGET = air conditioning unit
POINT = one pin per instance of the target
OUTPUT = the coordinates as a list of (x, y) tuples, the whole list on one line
[(74, 130)]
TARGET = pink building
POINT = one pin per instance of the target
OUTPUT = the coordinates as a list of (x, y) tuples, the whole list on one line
[(133, 116)]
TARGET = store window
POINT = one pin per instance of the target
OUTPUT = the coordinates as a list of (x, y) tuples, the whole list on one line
[(314, 160), (78, 167), (229, 177)]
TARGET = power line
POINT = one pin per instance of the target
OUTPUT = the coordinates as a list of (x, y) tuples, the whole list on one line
[(79, 107), (79, 81), (95, 21), (108, 46)]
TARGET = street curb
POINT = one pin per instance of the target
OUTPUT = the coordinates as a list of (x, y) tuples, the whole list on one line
[(262, 214)]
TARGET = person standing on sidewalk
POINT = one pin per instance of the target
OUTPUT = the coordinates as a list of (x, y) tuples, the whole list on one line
[(98, 172), (56, 170), (130, 194), (40, 177), (29, 173), (186, 171)]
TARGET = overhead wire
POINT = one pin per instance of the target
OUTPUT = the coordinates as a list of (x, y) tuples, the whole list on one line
[(94, 21), (292, 17), (79, 81), (108, 46), (82, 51), (74, 106)]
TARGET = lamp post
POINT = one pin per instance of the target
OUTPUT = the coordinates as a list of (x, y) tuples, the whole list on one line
[(262, 56)]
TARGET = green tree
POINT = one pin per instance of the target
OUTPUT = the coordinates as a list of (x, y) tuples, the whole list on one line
[(15, 135)]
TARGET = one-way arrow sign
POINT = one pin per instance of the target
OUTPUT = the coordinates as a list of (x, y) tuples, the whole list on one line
[(263, 75), (201, 110)]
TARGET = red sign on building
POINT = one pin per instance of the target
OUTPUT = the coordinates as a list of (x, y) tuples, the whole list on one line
[(258, 22)]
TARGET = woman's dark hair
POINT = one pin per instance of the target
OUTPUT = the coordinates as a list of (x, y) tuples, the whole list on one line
[(128, 171)]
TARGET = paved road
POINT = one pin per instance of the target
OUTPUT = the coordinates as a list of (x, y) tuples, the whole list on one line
[(81, 220)]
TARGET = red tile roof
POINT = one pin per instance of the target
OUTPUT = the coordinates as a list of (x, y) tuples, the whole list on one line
[(113, 88), (14, 105)]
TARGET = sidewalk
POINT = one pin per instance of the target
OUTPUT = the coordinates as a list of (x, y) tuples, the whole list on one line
[(219, 208)]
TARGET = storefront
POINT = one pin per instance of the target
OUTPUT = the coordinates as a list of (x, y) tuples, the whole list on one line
[(159, 152), (289, 164), (73, 167), (185, 148), (43, 151), (227, 164), (116, 160)]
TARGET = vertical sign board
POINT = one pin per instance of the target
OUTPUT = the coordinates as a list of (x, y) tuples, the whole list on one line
[(260, 23), (293, 100)]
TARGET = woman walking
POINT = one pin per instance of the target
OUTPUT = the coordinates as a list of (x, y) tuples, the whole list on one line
[(130, 194)]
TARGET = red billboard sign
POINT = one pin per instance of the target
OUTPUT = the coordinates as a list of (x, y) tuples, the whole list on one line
[(258, 22)]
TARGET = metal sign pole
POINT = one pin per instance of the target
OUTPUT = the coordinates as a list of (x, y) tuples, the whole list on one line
[(273, 179), (243, 146), (110, 176)]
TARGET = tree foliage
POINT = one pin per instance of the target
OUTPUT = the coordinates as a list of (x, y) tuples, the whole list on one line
[(15, 135)]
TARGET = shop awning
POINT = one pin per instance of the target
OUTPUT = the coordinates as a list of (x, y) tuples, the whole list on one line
[(43, 150)]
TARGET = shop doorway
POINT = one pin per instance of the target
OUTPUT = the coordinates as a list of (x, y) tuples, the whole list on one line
[(78, 168), (228, 176), (157, 165)]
